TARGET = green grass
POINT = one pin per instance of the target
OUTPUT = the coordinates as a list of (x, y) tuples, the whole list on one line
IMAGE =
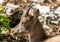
[(5, 22)]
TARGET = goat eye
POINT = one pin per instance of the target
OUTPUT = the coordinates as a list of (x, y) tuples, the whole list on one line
[(23, 23)]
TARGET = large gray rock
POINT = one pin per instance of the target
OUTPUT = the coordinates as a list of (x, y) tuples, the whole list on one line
[(11, 8)]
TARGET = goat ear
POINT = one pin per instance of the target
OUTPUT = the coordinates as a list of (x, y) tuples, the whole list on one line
[(31, 12), (37, 12)]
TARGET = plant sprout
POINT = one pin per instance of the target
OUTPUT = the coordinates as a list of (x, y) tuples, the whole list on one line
[(1, 9)]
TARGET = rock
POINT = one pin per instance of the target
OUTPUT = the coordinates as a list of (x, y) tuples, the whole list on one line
[(39, 1), (54, 39), (11, 8), (1, 2)]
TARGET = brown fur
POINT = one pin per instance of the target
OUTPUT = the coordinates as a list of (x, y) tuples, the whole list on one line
[(38, 32)]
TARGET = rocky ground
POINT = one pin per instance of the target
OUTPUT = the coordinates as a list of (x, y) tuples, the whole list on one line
[(52, 28)]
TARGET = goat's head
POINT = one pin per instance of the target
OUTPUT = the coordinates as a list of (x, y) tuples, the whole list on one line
[(29, 18)]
